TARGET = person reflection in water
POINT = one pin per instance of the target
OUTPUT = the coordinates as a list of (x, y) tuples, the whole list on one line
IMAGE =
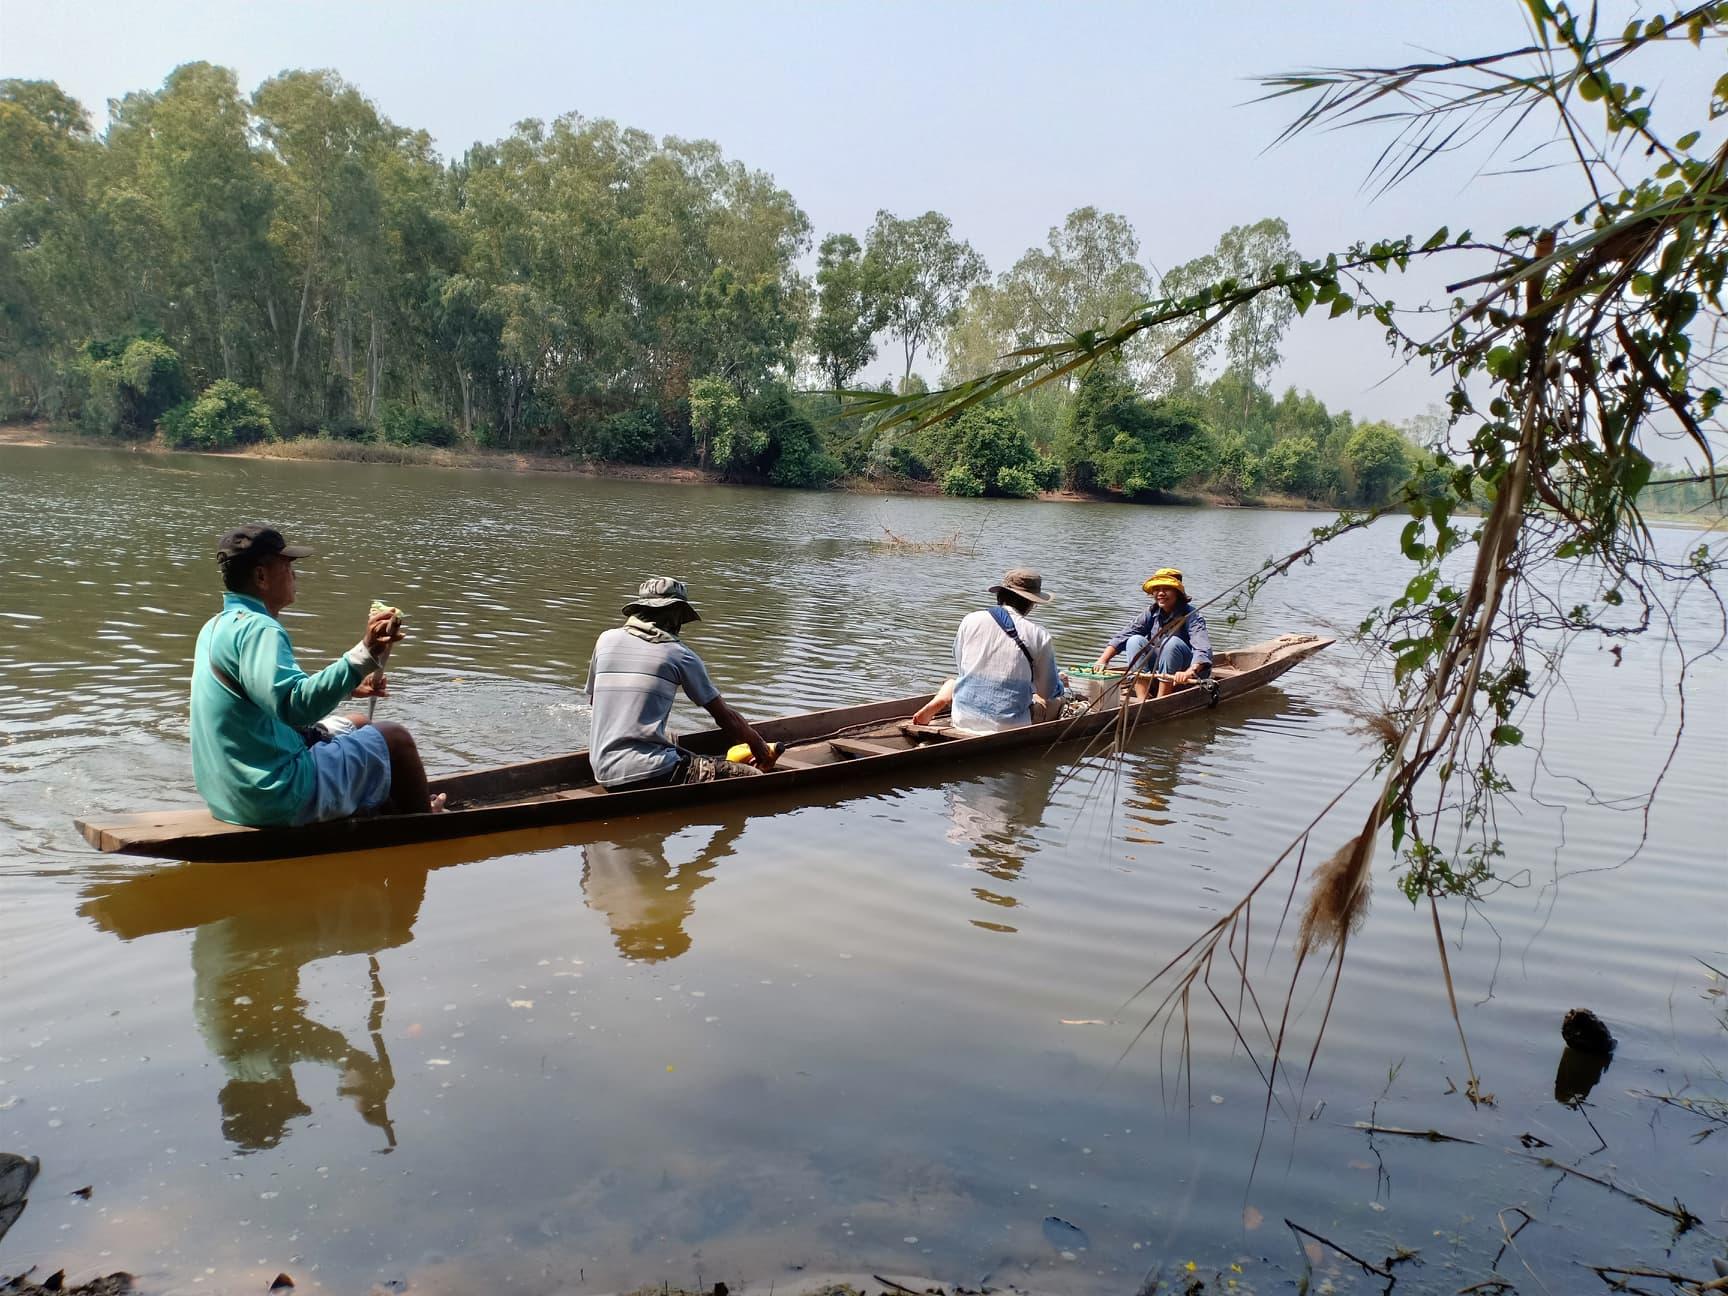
[(996, 816), (247, 1002), (643, 895)]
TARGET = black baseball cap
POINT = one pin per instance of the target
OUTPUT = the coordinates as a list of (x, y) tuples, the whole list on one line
[(255, 542)]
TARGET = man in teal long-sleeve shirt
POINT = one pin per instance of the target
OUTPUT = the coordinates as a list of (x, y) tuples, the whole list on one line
[(250, 701)]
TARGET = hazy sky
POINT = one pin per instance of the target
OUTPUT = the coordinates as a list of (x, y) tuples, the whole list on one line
[(1004, 117)]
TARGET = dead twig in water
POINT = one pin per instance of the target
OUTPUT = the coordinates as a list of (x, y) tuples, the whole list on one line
[(1377, 1270), (1607, 1274), (1510, 1237), (889, 1282), (1677, 1212), (1432, 1135), (1708, 1109)]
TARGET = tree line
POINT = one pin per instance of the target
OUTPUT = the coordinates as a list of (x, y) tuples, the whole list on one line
[(220, 268)]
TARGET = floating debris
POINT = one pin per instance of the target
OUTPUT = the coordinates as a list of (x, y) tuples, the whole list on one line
[(1063, 1236)]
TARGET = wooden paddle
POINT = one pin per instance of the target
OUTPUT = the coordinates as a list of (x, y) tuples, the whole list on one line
[(378, 606)]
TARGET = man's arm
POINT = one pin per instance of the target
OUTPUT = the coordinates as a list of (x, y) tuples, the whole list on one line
[(273, 680), (738, 729), (700, 690), (1046, 679)]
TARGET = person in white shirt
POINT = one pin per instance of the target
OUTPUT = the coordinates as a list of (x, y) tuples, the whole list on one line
[(1007, 667)]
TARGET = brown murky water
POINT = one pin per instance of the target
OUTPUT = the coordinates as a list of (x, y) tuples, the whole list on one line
[(881, 1032)]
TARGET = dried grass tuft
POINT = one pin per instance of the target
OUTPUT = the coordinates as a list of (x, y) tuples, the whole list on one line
[(1372, 720), (1338, 900)]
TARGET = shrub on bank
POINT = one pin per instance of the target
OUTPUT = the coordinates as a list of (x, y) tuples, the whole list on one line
[(400, 425), (126, 386), (794, 454), (961, 480), (345, 429), (226, 415), (1016, 483)]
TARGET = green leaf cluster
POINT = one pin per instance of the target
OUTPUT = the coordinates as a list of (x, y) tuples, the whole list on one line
[(224, 416)]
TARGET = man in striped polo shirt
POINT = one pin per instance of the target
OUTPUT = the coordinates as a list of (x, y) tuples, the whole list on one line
[(633, 681)]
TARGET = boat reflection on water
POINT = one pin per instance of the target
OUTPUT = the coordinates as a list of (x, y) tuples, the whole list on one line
[(255, 928), (645, 896), (1170, 756)]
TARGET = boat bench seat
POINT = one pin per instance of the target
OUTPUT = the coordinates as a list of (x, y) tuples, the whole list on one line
[(930, 732), (860, 747), (798, 758)]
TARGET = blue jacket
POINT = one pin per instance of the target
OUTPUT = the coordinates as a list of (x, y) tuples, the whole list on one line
[(1190, 629)]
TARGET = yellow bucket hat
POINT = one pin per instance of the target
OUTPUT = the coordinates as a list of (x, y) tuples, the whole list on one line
[(1167, 578)]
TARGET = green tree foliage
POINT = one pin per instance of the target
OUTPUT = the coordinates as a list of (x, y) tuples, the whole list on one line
[(793, 454), (1117, 439), (403, 425), (919, 274), (1158, 446), (847, 314), (1236, 472), (1248, 254), (580, 287), (226, 415), (126, 386), (1105, 406), (1292, 466), (988, 446), (961, 480), (715, 414), (298, 241), (1086, 277), (1380, 461)]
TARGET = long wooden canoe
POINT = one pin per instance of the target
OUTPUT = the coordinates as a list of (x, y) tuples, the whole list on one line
[(822, 748)]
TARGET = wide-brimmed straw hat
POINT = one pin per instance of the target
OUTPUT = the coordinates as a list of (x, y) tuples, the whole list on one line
[(1022, 582), (661, 592), (1164, 578)]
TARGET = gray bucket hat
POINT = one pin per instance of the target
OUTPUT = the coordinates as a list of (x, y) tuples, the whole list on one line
[(661, 592), (1024, 582)]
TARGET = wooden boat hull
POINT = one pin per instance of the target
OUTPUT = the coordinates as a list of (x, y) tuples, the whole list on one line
[(823, 748)]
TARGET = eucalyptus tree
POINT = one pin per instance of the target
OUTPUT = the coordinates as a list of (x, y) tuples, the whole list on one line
[(1087, 277), (920, 274), (48, 160), (1250, 254), (349, 186), (843, 331)]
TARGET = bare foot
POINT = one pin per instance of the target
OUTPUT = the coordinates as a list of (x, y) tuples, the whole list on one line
[(437, 806)]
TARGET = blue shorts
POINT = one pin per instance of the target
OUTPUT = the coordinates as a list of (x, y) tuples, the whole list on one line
[(352, 774)]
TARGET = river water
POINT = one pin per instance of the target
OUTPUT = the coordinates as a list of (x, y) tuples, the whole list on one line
[(887, 1032)]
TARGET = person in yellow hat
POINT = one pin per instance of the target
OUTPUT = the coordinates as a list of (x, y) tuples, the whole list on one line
[(1167, 642)]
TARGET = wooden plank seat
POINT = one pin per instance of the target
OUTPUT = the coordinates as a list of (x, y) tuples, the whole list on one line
[(929, 732), (800, 758), (859, 747)]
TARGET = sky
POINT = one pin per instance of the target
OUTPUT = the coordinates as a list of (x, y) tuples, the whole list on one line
[(1003, 116)]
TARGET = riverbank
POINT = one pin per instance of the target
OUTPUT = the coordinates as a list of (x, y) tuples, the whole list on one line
[(476, 459)]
